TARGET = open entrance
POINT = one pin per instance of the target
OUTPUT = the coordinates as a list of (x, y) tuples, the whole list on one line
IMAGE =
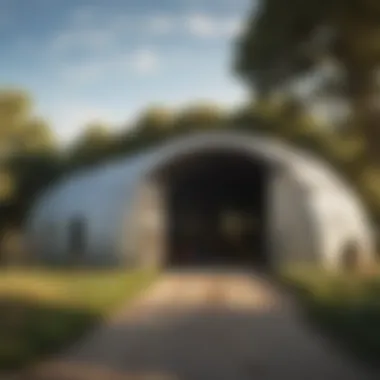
[(77, 239), (216, 210)]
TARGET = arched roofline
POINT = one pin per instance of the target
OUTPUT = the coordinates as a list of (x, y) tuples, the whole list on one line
[(144, 165), (131, 172), (267, 150)]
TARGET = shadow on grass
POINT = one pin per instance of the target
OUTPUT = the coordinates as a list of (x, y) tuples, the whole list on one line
[(43, 311), (30, 330), (346, 308)]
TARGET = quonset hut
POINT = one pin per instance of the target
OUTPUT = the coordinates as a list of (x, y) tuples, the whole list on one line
[(207, 198)]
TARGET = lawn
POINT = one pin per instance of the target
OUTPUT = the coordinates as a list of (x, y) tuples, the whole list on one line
[(42, 312), (345, 307)]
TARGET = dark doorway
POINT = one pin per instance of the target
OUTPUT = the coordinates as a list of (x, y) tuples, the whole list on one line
[(77, 238), (351, 256), (216, 203)]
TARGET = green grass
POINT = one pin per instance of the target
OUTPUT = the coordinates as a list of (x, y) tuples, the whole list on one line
[(42, 312), (346, 307)]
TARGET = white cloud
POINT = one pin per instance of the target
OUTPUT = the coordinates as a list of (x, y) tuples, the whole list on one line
[(234, 27), (97, 43), (89, 40), (89, 30), (205, 26), (120, 64), (201, 26), (95, 29), (145, 61), (198, 25)]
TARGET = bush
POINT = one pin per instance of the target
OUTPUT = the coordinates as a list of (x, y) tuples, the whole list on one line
[(346, 307)]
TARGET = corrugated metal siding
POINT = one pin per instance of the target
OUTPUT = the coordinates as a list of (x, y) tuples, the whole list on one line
[(106, 196)]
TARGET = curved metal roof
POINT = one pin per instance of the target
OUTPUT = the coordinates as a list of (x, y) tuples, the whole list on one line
[(116, 183)]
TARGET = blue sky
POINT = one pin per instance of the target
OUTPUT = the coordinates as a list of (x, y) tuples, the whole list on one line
[(87, 60)]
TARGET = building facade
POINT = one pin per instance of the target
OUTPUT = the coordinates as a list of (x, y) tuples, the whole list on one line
[(130, 212)]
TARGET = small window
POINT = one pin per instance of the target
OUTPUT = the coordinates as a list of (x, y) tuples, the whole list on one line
[(50, 229), (77, 236), (351, 256)]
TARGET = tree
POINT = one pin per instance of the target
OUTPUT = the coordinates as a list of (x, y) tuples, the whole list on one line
[(153, 125), (200, 116), (36, 137), (15, 108), (158, 123), (285, 118), (20, 130), (92, 145), (28, 156), (31, 173), (155, 120), (288, 39)]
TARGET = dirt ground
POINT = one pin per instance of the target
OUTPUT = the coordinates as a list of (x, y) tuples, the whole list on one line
[(204, 326)]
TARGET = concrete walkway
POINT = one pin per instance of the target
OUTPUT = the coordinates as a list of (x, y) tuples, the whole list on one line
[(230, 326)]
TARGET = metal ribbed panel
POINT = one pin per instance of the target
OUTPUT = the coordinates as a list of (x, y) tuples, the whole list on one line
[(106, 196)]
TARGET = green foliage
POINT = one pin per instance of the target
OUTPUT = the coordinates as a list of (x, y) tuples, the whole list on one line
[(199, 117), (15, 108), (29, 159), (32, 172), (36, 137), (95, 143), (43, 312), (345, 306), (155, 120), (288, 39)]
